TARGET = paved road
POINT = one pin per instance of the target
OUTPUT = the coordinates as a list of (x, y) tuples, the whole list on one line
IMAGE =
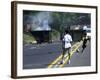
[(81, 59), (40, 56), (47, 55)]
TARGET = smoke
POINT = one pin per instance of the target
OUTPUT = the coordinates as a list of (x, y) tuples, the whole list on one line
[(40, 21)]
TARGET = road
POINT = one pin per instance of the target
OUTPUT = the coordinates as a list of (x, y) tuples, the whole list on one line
[(48, 55)]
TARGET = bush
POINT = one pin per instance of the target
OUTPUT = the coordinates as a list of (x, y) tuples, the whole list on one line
[(55, 35), (28, 38)]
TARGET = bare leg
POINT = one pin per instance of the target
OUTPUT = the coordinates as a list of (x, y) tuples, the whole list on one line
[(69, 55), (63, 54)]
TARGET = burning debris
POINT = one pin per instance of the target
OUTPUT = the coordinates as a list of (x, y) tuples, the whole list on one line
[(38, 22)]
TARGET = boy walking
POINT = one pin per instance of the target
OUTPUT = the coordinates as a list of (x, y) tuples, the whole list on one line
[(67, 39)]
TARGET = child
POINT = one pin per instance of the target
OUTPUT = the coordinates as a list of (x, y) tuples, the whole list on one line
[(84, 43), (67, 45)]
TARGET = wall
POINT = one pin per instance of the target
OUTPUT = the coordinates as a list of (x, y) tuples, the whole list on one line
[(5, 41)]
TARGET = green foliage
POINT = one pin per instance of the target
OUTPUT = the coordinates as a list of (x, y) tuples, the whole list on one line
[(55, 35), (62, 20), (28, 38)]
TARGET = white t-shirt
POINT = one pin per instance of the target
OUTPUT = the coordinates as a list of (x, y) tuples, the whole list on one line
[(67, 39)]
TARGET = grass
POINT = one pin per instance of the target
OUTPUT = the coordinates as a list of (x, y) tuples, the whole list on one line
[(28, 38)]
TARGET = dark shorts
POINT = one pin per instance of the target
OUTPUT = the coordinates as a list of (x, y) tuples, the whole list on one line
[(66, 49), (84, 46)]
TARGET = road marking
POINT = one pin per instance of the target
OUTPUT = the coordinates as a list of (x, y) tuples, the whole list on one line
[(59, 58), (55, 61), (66, 60)]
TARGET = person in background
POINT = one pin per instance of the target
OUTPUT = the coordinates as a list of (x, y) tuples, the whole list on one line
[(84, 42), (67, 39)]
